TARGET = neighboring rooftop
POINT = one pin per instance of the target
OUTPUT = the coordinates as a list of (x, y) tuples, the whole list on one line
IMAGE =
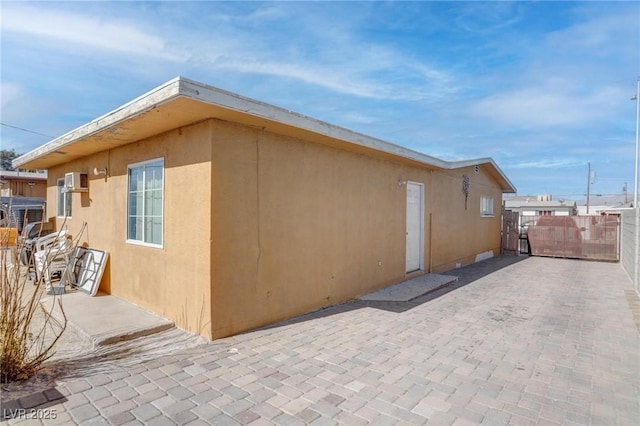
[(544, 200), (21, 175)]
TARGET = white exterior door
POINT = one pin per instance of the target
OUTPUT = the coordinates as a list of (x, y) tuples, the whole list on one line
[(415, 227)]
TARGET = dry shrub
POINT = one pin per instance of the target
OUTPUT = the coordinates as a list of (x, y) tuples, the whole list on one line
[(28, 331)]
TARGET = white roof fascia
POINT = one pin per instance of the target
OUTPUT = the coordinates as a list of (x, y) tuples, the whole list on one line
[(138, 105), (183, 87), (484, 160), (233, 101), (23, 175)]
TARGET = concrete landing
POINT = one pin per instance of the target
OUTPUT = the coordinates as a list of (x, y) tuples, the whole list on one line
[(410, 289), (105, 319)]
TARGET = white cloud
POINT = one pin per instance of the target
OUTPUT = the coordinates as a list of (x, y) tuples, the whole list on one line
[(549, 105), (604, 31), (91, 31), (378, 81), (551, 163), (336, 59), (9, 94)]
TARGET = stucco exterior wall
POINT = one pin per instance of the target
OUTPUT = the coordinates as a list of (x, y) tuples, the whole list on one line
[(460, 233), (173, 281), (259, 227), (297, 226)]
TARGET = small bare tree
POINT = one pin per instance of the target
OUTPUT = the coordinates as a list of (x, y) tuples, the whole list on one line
[(25, 344)]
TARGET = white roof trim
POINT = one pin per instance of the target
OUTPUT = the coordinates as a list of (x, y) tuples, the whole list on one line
[(183, 87)]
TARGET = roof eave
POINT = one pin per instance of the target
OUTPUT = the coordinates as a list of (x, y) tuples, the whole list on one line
[(108, 130)]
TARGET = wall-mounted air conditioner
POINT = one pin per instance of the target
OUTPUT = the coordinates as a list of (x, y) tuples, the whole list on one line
[(76, 182)]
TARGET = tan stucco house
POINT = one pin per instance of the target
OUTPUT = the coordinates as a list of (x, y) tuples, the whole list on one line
[(224, 214), (18, 183)]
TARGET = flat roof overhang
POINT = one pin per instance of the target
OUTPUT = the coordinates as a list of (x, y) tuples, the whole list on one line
[(181, 102)]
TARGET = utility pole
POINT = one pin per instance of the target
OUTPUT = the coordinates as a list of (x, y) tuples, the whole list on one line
[(636, 278), (588, 185), (635, 175)]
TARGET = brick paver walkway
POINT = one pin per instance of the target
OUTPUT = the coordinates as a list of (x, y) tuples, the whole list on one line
[(539, 341)]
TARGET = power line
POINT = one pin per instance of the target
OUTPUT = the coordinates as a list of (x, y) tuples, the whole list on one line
[(26, 130)]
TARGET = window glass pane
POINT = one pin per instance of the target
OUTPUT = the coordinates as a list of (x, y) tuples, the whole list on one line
[(67, 203), (146, 202), (153, 176), (156, 230), (486, 206), (60, 207), (135, 228), (153, 230), (153, 202), (135, 179)]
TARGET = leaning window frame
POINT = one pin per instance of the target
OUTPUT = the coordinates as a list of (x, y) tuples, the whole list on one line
[(129, 240)]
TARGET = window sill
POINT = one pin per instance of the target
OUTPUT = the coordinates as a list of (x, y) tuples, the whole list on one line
[(143, 244)]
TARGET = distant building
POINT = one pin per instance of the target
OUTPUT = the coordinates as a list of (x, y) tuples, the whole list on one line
[(16, 183), (540, 205), (599, 204)]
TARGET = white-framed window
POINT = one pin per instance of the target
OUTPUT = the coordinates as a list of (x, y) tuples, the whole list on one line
[(64, 200), (486, 206), (145, 203)]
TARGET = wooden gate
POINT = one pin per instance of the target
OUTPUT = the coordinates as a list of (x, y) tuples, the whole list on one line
[(510, 232)]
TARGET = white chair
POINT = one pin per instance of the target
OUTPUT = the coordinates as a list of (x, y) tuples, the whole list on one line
[(52, 255)]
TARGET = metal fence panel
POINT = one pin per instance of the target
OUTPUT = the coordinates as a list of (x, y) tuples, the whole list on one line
[(580, 237)]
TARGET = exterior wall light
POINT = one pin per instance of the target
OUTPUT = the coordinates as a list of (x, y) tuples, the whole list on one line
[(98, 172)]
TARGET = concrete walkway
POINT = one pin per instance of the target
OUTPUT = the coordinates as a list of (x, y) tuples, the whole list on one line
[(537, 341), (106, 319), (410, 289)]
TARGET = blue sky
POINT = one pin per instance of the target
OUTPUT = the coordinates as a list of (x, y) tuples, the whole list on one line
[(541, 87)]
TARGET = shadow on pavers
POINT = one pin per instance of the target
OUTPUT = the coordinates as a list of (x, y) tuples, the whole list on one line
[(24, 407), (465, 275)]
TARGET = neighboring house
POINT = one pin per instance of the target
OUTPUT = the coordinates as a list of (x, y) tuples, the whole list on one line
[(540, 205), (16, 183), (224, 214), (22, 197)]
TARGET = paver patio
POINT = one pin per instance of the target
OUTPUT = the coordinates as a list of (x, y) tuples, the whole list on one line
[(519, 341)]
